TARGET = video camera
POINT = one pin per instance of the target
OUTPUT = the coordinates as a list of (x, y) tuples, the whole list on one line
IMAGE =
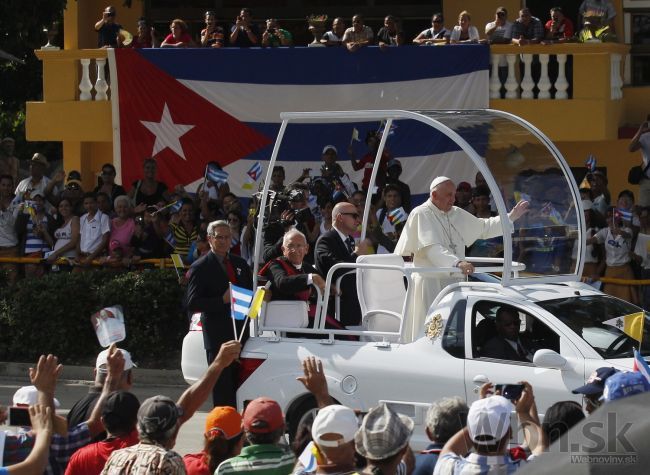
[(277, 203)]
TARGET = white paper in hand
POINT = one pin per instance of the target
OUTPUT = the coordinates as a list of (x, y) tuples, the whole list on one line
[(109, 325)]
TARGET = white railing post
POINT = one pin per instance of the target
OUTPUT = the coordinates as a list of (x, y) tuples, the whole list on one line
[(544, 84), (85, 86), (561, 84), (495, 81), (101, 86), (527, 83), (511, 85)]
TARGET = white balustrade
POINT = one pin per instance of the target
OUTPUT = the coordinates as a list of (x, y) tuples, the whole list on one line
[(86, 86), (544, 83), (101, 86)]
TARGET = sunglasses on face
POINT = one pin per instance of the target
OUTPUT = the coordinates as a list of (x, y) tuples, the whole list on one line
[(354, 215)]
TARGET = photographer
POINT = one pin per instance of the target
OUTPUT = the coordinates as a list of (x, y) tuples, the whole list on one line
[(244, 33), (275, 36), (108, 31), (286, 212)]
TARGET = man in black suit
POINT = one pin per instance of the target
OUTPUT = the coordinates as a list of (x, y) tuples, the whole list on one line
[(508, 344), (208, 292), (337, 245)]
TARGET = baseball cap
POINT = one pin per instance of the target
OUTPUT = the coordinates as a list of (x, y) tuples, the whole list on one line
[(36, 193), (383, 433), (223, 420), (120, 411), (488, 419), (102, 360), (328, 147), (596, 381), (624, 384), (393, 163), (157, 415), (28, 396), (334, 425), (263, 415), (39, 158), (464, 186)]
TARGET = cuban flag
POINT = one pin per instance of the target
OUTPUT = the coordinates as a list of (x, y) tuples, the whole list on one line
[(240, 302), (623, 214), (188, 107), (397, 216), (641, 365), (213, 173), (590, 163), (255, 172)]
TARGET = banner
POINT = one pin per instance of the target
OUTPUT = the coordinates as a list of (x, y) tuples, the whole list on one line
[(187, 107)]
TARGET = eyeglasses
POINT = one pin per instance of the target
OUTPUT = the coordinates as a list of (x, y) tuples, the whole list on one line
[(295, 247), (354, 215), (221, 237)]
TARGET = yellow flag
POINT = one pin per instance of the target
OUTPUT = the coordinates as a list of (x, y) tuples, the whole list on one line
[(256, 304), (585, 183), (178, 262), (631, 324)]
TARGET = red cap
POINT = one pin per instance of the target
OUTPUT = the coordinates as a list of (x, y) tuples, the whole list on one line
[(464, 186), (263, 415)]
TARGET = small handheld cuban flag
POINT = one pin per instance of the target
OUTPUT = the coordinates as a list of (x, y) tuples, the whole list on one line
[(213, 173), (355, 135), (256, 171), (641, 366), (590, 163), (623, 214), (397, 216), (176, 206), (240, 302)]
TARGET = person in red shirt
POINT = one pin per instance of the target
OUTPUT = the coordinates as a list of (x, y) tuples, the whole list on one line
[(559, 28), (179, 37), (119, 416), (367, 161), (222, 440)]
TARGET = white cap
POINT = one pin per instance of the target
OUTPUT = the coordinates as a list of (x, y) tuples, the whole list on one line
[(334, 419), (102, 360), (587, 205), (488, 420), (437, 181), (327, 147), (28, 396)]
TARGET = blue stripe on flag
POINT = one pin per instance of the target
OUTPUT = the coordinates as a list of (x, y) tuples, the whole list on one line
[(240, 301), (368, 65)]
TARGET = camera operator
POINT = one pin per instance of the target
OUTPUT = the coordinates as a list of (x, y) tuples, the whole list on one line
[(108, 31), (275, 36), (289, 211)]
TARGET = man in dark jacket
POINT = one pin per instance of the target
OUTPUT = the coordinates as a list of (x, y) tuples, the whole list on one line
[(208, 292)]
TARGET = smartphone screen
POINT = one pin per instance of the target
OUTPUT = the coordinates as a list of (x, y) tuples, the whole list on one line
[(510, 391), (19, 416)]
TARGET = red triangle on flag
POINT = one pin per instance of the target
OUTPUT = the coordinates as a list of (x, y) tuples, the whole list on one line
[(160, 117)]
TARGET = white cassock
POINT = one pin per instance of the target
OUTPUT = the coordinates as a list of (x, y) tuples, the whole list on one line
[(438, 239)]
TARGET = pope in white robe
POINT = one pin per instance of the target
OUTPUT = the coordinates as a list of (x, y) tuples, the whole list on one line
[(436, 234)]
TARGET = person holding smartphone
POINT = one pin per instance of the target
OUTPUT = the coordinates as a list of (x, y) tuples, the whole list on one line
[(107, 29), (244, 34), (275, 36)]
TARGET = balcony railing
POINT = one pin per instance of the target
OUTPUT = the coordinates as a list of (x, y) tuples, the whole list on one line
[(514, 77)]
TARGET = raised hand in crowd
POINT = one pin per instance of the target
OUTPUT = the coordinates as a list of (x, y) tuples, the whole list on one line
[(314, 381), (44, 378)]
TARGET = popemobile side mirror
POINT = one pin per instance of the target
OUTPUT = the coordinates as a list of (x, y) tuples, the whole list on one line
[(549, 359)]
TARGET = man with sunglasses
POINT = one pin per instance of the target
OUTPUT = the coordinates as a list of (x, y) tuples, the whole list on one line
[(436, 34), (594, 387), (337, 245)]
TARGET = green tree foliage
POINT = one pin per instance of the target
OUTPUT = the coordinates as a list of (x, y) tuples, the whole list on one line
[(52, 315)]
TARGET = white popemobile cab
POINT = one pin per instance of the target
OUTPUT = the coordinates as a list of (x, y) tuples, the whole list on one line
[(538, 274)]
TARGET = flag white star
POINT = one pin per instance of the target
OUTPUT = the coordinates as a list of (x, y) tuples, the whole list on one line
[(167, 133)]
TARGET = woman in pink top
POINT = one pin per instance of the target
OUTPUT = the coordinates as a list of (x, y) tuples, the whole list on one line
[(179, 37), (123, 225)]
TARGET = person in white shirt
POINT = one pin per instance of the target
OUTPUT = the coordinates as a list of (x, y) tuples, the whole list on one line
[(334, 37), (499, 31), (618, 244), (642, 254), (358, 35), (95, 231), (464, 32)]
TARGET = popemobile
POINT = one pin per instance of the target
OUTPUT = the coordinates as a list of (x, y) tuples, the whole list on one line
[(571, 327)]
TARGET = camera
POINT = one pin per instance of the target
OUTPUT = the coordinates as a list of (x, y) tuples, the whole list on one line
[(139, 220), (19, 417), (277, 203), (511, 392)]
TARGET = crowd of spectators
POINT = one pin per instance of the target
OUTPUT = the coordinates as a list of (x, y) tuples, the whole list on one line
[(111, 432), (596, 24)]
